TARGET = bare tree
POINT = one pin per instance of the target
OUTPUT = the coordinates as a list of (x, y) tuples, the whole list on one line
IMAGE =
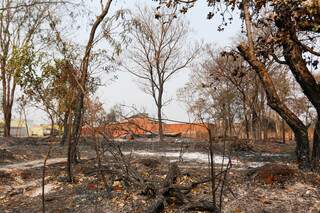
[(232, 72), (158, 52)]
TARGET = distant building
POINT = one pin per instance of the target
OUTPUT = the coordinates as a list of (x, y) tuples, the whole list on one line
[(43, 130), (18, 128), (192, 130), (142, 126)]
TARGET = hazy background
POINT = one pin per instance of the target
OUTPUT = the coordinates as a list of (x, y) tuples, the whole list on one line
[(124, 90)]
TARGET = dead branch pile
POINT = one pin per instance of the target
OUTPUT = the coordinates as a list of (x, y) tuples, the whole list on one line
[(170, 192), (163, 191)]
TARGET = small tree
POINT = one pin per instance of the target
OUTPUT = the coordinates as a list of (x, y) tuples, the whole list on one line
[(20, 25), (238, 79)]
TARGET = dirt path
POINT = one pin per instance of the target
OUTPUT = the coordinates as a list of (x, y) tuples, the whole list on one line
[(30, 164), (31, 188), (187, 156)]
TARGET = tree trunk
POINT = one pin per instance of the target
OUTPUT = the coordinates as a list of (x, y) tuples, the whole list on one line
[(76, 128), (26, 121), (52, 125), (302, 148), (231, 128), (263, 116), (254, 123), (212, 167), (277, 126), (244, 102), (160, 124), (7, 121), (65, 128), (159, 106), (247, 127), (229, 122), (8, 98), (69, 162), (283, 131), (316, 146)]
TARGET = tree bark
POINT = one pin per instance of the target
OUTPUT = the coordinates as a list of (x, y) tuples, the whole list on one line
[(245, 113), (254, 124), (316, 146), (9, 89), (26, 121), (76, 128), (7, 103), (212, 167), (7, 121), (247, 127), (52, 125), (160, 123), (283, 131), (65, 128), (159, 106), (302, 148), (69, 162)]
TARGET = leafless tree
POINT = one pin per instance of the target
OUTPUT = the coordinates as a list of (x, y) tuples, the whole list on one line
[(158, 52)]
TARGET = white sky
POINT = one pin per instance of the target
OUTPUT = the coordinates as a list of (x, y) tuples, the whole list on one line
[(126, 91)]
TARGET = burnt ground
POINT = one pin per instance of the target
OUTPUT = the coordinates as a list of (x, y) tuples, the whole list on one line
[(264, 177)]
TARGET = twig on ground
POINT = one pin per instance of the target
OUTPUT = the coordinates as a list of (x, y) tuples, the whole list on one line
[(43, 178)]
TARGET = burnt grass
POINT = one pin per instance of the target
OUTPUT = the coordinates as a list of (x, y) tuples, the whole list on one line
[(277, 186)]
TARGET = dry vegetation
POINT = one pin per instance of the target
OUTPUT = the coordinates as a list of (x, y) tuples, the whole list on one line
[(254, 139), (274, 187)]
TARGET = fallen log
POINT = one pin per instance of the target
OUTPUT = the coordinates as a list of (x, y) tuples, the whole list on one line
[(158, 204)]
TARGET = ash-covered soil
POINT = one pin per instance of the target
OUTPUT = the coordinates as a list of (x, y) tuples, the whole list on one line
[(262, 179)]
